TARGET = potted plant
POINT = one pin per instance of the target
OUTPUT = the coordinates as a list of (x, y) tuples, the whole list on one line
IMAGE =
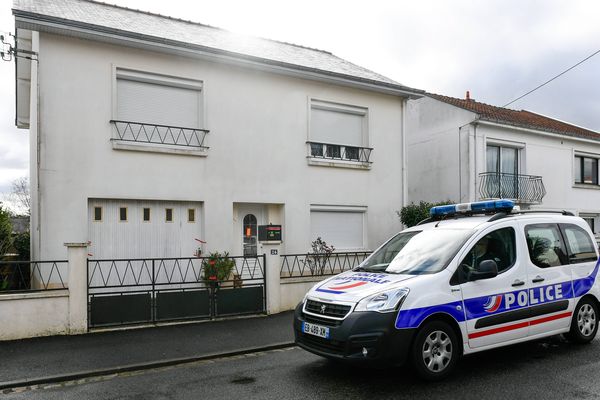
[(217, 267)]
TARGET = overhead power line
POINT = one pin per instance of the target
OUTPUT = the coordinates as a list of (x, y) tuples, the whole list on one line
[(551, 79)]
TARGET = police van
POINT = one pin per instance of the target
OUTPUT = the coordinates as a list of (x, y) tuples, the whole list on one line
[(472, 277)]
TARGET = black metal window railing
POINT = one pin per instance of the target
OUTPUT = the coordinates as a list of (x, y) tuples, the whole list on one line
[(139, 132), (307, 265), (33, 276), (521, 188), (342, 152)]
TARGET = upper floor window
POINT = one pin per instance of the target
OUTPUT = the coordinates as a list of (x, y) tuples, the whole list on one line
[(338, 132), (502, 159), (153, 109), (586, 170)]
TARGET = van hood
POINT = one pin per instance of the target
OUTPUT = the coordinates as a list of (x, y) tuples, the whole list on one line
[(353, 286)]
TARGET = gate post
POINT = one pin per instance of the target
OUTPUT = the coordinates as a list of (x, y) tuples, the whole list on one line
[(272, 274), (78, 287)]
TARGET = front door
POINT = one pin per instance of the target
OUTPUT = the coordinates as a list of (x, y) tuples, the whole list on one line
[(249, 216), (496, 308)]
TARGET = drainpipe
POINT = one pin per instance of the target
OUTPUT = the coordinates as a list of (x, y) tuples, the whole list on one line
[(403, 145)]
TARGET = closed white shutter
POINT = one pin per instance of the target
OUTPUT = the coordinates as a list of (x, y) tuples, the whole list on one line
[(151, 103), (344, 230), (336, 127)]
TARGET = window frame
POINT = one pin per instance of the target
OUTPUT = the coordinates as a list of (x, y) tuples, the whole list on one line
[(94, 208), (580, 159), (126, 214), (167, 220), (144, 214)]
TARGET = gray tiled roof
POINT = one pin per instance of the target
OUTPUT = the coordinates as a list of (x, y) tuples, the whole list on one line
[(127, 22)]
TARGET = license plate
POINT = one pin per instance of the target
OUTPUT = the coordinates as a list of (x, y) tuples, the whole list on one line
[(316, 330)]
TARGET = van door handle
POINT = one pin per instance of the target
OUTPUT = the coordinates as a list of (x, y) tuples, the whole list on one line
[(537, 279), (518, 283)]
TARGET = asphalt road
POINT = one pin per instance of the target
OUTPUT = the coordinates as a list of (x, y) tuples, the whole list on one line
[(548, 369)]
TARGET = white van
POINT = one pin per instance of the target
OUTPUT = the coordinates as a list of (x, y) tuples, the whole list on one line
[(472, 277)]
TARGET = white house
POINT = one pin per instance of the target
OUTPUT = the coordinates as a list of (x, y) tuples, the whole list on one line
[(148, 132), (464, 150)]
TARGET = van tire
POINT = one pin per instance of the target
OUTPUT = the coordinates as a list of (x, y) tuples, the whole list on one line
[(584, 324), (435, 351)]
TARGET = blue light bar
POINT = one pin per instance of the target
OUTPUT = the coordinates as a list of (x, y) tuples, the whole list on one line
[(478, 207)]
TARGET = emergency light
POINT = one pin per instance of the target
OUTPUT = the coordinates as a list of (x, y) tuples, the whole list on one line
[(478, 207)]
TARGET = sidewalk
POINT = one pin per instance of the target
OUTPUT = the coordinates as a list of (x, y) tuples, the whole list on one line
[(63, 355)]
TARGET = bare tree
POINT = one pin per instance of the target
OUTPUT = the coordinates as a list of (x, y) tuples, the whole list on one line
[(21, 195)]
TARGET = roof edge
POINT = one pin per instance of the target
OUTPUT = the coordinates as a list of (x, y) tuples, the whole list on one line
[(536, 130), (52, 24)]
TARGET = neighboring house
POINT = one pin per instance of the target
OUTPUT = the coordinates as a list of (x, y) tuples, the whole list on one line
[(20, 224), (464, 150), (148, 132)]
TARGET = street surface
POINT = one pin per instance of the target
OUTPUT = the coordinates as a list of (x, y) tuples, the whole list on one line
[(547, 369)]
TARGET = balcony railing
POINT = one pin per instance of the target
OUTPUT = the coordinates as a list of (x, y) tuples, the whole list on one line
[(139, 132), (525, 189), (329, 151)]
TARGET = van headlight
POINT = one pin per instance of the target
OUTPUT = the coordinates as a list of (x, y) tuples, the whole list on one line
[(382, 302)]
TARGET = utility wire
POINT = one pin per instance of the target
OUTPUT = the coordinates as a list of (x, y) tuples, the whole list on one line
[(557, 76)]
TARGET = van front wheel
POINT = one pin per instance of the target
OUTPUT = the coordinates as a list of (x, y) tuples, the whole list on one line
[(435, 351)]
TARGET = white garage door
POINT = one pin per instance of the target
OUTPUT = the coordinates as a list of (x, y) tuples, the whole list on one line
[(342, 229), (143, 229)]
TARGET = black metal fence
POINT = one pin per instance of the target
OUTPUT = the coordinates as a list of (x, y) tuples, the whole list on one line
[(305, 265), (339, 152), (522, 188), (140, 132), (133, 291), (33, 276)]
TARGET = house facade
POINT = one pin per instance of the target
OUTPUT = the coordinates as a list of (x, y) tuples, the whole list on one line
[(151, 135), (477, 151)]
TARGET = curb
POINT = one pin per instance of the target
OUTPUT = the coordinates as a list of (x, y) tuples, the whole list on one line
[(139, 366)]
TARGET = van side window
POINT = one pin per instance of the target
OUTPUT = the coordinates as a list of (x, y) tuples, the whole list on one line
[(545, 244), (498, 245), (579, 245)]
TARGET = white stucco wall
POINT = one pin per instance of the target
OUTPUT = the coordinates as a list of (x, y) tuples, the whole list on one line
[(34, 314), (258, 123), (437, 151)]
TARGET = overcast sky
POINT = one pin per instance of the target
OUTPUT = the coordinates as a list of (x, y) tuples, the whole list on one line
[(497, 49)]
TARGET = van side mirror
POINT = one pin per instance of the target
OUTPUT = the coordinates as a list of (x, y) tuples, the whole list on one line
[(487, 269)]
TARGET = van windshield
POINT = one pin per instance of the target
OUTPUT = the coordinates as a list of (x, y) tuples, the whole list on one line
[(417, 252)]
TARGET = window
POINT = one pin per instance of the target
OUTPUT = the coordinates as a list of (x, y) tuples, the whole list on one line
[(546, 247), (586, 170), (191, 214), (123, 214), (499, 246), (502, 159), (338, 131), (168, 214), (97, 213), (158, 99), (249, 231), (146, 213), (581, 247), (342, 227)]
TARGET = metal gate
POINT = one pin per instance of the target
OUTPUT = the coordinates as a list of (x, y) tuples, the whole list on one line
[(150, 290)]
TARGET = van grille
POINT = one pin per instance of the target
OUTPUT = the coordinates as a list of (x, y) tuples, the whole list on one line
[(327, 309)]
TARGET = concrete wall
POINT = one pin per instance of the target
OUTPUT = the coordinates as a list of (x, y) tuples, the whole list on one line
[(294, 289), (258, 153), (34, 314)]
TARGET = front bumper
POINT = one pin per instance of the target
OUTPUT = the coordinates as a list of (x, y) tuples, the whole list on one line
[(348, 339)]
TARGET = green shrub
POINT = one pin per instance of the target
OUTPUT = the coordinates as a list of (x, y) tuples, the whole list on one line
[(21, 245), (217, 267), (412, 214), (5, 232)]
